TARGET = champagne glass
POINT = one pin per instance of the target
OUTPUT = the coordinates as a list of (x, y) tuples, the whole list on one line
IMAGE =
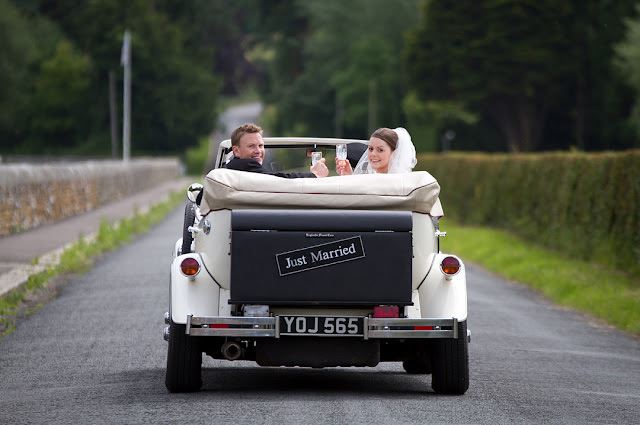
[(315, 157), (341, 154), (341, 151)]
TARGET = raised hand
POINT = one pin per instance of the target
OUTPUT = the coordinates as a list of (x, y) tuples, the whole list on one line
[(343, 167), (320, 169)]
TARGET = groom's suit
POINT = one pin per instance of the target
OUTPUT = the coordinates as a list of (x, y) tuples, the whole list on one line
[(254, 166)]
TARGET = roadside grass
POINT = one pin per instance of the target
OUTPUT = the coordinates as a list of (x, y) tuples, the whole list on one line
[(78, 258), (608, 294)]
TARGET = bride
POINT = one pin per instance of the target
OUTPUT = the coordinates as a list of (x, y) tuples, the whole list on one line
[(389, 151)]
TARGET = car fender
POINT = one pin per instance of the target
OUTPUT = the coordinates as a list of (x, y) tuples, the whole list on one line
[(443, 296), (192, 295)]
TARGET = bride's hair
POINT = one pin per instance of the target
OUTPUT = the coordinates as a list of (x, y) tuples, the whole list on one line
[(388, 135)]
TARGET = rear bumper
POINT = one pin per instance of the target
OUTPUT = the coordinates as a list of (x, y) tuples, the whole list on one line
[(374, 328)]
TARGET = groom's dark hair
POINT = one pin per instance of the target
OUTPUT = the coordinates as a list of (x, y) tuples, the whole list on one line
[(388, 135)]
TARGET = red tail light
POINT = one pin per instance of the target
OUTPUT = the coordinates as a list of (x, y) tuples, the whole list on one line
[(423, 328), (386, 311), (190, 266), (219, 326), (450, 266)]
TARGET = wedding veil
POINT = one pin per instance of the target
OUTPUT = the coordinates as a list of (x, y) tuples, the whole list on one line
[(402, 160)]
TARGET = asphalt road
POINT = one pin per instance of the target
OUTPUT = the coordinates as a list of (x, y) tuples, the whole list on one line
[(96, 355)]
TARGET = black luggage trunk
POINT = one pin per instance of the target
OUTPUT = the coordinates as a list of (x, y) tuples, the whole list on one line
[(321, 257)]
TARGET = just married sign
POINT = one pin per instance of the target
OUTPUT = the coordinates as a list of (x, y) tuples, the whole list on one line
[(322, 255)]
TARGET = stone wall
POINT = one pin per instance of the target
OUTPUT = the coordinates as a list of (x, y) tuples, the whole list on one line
[(34, 194)]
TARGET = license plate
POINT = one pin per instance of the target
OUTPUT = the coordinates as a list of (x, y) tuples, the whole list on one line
[(321, 325)]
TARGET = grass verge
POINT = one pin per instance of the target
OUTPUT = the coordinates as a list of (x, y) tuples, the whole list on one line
[(607, 294), (41, 287)]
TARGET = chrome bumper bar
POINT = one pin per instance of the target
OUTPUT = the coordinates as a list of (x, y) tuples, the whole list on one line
[(268, 327)]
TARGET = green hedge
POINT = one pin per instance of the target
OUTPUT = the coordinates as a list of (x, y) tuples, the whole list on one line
[(586, 205)]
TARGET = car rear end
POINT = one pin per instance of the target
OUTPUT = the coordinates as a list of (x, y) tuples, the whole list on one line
[(310, 273)]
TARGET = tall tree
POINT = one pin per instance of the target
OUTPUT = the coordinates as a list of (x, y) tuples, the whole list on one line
[(344, 66), (174, 84), (61, 93), (506, 57), (25, 41), (603, 98)]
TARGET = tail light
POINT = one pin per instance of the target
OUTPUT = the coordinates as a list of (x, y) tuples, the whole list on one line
[(190, 267), (386, 311), (450, 266)]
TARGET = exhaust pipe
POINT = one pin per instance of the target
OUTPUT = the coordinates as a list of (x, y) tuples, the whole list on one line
[(231, 350)]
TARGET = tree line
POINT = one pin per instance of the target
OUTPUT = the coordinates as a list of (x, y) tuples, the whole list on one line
[(485, 75), (519, 75), (56, 58)]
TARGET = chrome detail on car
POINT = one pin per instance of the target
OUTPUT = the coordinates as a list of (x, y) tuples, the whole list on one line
[(231, 350), (203, 226), (269, 327), (193, 191), (255, 310), (206, 226)]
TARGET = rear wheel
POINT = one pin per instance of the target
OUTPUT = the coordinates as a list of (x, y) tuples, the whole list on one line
[(184, 361), (189, 219), (450, 363)]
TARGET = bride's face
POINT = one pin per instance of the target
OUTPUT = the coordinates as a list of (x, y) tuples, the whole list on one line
[(379, 155)]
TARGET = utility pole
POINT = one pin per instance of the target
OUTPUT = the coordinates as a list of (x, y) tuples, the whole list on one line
[(125, 60)]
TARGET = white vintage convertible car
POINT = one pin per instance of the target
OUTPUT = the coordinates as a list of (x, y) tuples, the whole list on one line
[(326, 272)]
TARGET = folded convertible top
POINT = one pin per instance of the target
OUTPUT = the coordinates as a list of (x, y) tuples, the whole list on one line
[(231, 189)]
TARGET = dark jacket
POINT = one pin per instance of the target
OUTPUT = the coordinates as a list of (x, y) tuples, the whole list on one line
[(254, 166)]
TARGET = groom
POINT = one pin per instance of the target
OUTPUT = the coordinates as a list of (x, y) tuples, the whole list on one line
[(248, 153)]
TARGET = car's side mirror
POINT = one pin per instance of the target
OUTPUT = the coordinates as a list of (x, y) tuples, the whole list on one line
[(194, 193)]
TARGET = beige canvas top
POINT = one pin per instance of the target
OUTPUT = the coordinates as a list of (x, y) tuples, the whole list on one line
[(231, 189)]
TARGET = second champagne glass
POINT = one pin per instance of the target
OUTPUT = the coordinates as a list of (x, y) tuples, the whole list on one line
[(341, 154)]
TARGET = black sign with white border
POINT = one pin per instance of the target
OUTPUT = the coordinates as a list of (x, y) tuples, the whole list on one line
[(313, 257)]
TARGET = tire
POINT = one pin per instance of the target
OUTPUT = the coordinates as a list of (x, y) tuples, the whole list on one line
[(184, 361), (189, 219), (450, 363), (419, 366)]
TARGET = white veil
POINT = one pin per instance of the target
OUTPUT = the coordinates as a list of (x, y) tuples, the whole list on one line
[(402, 160)]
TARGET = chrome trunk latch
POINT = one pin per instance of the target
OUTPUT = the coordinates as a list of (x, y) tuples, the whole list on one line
[(202, 226)]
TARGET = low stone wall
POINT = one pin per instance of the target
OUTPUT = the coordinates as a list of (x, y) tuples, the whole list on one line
[(33, 194)]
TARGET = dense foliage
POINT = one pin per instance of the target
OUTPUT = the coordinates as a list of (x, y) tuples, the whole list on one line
[(583, 204), (335, 67), (493, 75), (518, 75), (538, 74), (57, 56)]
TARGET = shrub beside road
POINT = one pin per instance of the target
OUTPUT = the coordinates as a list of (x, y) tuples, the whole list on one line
[(566, 224), (603, 292), (585, 205)]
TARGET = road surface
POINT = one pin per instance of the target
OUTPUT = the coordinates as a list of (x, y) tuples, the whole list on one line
[(96, 355)]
